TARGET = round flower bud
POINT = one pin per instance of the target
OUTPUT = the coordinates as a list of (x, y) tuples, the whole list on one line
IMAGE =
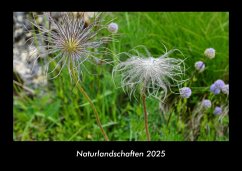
[(206, 103), (113, 27), (185, 92), (215, 90), (225, 89), (219, 84), (217, 110), (210, 53), (200, 66)]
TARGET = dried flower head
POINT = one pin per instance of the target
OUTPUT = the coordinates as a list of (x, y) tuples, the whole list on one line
[(217, 110), (71, 42), (225, 89), (210, 53), (149, 74), (206, 103), (113, 27), (200, 66), (185, 92)]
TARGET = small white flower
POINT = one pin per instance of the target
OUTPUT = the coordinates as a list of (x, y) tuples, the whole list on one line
[(149, 74), (210, 53), (113, 27)]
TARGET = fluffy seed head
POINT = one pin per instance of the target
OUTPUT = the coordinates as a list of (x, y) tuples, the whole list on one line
[(149, 74), (210, 53), (206, 103), (225, 89), (69, 41), (200, 66), (185, 92), (217, 110), (113, 27)]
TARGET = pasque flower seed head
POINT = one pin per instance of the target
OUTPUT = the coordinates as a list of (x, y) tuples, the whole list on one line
[(71, 42), (149, 74)]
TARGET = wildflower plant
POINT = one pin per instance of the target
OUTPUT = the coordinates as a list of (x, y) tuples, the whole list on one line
[(210, 53), (69, 42), (149, 75), (68, 45), (200, 66), (225, 89), (217, 87), (219, 84), (113, 27), (185, 92), (215, 90), (206, 103), (217, 110)]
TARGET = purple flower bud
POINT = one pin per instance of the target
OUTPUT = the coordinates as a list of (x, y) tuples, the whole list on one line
[(210, 53), (225, 89), (113, 27), (206, 103), (200, 66), (215, 90), (217, 110), (219, 84), (185, 92)]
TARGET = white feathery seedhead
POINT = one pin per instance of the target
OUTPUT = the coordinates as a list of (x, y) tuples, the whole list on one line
[(71, 42), (149, 74)]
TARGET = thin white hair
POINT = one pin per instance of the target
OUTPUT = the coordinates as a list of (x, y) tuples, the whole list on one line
[(148, 74)]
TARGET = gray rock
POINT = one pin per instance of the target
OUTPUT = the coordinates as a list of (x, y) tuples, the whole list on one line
[(23, 56)]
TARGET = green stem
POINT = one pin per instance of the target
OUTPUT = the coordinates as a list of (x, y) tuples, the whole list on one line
[(92, 105), (95, 111), (169, 119), (146, 117)]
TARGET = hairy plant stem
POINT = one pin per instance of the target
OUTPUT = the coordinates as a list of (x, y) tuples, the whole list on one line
[(145, 117), (92, 106)]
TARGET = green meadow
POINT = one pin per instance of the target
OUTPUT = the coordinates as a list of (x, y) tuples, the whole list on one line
[(59, 112)]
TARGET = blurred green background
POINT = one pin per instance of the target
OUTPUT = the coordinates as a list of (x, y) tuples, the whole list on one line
[(58, 111)]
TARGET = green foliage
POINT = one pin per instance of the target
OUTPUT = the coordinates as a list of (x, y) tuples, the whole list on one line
[(59, 112)]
